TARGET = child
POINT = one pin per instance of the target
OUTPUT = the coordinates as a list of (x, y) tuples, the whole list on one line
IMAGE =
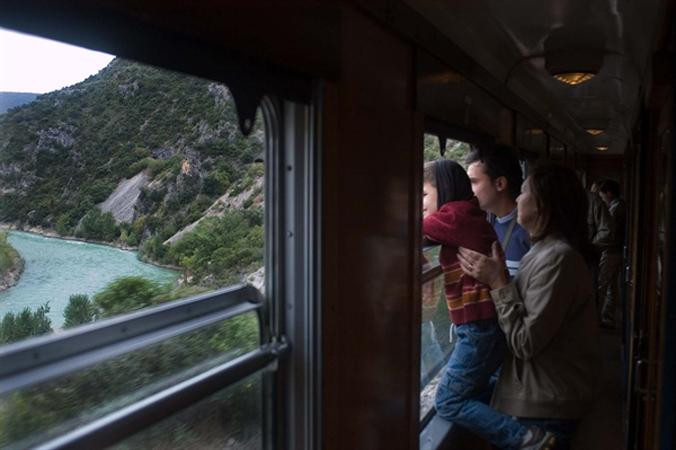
[(452, 218)]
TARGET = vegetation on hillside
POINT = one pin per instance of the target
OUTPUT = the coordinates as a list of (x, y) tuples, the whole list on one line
[(64, 153), (8, 255), (11, 263)]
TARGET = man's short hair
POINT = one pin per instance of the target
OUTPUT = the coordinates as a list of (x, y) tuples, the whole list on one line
[(499, 161), (611, 186)]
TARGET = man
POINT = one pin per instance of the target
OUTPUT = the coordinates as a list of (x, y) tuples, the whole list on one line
[(611, 260), (600, 226), (496, 180)]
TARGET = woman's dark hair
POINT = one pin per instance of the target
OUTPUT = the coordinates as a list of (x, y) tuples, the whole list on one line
[(450, 179), (562, 206)]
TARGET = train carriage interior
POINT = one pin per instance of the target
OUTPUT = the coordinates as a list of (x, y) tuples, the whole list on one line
[(275, 152)]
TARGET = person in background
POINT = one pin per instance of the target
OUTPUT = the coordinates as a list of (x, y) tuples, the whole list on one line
[(594, 188), (600, 226), (496, 180), (547, 311), (611, 260), (452, 218)]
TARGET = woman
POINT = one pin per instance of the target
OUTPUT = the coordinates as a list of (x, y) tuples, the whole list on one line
[(547, 312)]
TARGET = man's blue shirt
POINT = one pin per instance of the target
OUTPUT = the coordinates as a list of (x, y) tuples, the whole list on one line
[(519, 242)]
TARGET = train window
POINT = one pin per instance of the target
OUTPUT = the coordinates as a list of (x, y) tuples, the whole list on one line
[(231, 419), (127, 187), (436, 342), (137, 209), (36, 413)]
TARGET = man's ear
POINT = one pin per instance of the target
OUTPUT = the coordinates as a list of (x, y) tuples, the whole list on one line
[(500, 184)]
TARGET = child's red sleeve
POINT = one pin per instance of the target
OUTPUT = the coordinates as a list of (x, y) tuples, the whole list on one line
[(442, 227)]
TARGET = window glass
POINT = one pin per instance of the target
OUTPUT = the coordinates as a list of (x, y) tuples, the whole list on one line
[(34, 414), (230, 420), (122, 187), (436, 336)]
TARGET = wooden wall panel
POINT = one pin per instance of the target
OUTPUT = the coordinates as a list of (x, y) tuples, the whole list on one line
[(371, 226)]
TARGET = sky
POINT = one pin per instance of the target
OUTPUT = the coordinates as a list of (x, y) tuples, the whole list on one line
[(32, 64)]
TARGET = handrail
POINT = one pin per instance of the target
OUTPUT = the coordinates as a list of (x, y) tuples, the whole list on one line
[(126, 421), (40, 359), (432, 273)]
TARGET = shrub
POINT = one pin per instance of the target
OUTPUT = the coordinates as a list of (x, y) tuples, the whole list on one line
[(25, 324), (79, 310), (126, 294), (96, 225)]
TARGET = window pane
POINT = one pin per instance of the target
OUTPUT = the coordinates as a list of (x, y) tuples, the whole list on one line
[(144, 176), (436, 341), (231, 419), (32, 415)]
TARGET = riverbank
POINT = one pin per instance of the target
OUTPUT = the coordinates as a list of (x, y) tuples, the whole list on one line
[(47, 232), (56, 269), (11, 264)]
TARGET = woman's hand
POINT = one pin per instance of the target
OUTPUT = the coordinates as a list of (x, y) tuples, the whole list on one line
[(490, 270)]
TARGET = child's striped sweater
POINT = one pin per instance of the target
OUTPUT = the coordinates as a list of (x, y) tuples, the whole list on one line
[(462, 224)]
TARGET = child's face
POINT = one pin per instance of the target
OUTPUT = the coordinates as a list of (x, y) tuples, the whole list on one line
[(429, 199)]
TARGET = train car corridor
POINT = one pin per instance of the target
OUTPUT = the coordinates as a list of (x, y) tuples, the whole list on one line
[(338, 225), (602, 429)]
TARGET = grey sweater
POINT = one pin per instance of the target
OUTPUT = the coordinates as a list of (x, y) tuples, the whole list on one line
[(548, 316)]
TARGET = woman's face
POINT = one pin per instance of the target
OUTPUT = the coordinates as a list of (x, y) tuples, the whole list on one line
[(429, 199), (527, 211)]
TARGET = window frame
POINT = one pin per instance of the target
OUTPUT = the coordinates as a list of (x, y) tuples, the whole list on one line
[(289, 319)]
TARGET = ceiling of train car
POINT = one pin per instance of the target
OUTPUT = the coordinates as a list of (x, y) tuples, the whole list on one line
[(510, 40)]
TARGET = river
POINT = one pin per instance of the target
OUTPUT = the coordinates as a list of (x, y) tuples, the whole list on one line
[(57, 268)]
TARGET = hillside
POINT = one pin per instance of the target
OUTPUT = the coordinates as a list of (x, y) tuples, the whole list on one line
[(9, 100), (131, 156)]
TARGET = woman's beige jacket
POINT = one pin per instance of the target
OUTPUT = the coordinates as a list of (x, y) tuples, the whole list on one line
[(548, 315)]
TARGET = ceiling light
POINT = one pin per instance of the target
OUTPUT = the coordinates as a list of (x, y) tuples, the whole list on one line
[(602, 148), (595, 131), (574, 53), (574, 78)]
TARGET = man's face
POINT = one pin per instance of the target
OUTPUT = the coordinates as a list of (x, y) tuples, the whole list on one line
[(606, 197), (482, 186)]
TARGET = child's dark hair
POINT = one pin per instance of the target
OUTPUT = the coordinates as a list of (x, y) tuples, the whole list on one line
[(499, 161), (450, 180)]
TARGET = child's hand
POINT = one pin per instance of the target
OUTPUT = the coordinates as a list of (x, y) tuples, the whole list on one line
[(490, 270)]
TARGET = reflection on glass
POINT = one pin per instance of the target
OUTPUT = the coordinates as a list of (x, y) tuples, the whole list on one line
[(230, 419), (32, 415), (436, 343)]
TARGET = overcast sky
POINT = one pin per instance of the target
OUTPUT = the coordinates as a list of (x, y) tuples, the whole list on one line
[(31, 64)]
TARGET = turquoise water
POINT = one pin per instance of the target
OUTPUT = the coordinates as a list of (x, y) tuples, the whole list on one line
[(57, 268)]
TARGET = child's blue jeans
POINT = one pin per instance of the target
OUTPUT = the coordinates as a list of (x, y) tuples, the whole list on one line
[(478, 353)]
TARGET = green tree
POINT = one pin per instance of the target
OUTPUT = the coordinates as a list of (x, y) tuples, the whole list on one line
[(97, 225), (79, 310), (126, 294), (25, 324)]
